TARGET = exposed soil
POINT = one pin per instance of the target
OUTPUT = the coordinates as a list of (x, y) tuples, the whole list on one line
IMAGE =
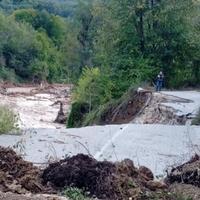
[(20, 180), (188, 173), (128, 109), (17, 175), (189, 192), (105, 180), (185, 179), (145, 107), (156, 112)]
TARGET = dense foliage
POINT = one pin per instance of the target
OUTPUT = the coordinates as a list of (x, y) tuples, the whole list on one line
[(196, 120), (135, 39), (8, 120), (130, 41), (63, 8), (31, 54)]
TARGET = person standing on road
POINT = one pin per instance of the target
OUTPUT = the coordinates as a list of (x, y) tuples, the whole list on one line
[(159, 81)]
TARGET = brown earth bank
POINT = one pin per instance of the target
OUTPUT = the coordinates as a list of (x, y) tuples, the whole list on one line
[(126, 109), (17, 175), (143, 106), (104, 180)]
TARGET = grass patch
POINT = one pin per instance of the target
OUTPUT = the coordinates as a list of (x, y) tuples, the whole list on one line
[(75, 194), (77, 114), (8, 120)]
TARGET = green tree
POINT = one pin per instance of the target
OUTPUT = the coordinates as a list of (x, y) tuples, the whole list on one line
[(94, 88), (27, 52), (118, 43), (54, 26)]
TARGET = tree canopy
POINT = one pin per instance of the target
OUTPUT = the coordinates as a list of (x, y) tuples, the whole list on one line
[(131, 39)]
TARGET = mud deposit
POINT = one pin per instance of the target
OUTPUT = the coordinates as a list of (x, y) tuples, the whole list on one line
[(17, 175), (187, 173), (11, 196), (105, 180), (20, 180), (185, 179)]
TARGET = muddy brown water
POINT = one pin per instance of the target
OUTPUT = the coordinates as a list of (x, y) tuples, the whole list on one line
[(35, 105)]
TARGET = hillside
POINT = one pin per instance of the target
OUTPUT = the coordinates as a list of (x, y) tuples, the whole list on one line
[(63, 8), (100, 99)]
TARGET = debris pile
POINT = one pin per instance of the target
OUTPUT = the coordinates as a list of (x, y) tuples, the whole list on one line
[(17, 175), (185, 179), (105, 180), (188, 173)]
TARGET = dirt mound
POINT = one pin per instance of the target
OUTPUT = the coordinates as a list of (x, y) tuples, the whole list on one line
[(189, 192), (187, 173), (105, 180), (17, 175)]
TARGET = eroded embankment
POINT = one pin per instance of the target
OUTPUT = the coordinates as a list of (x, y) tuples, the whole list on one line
[(146, 107), (157, 111), (127, 108)]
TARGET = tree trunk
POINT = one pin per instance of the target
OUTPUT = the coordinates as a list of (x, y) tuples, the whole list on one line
[(141, 29)]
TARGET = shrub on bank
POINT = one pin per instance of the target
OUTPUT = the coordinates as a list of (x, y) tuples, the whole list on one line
[(77, 114), (8, 120), (75, 194), (196, 120)]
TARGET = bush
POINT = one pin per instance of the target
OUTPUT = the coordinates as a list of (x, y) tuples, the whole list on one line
[(94, 87), (8, 120), (8, 75), (77, 114), (196, 120), (75, 194)]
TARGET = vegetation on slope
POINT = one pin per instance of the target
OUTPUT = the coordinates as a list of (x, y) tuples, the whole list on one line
[(131, 41), (120, 43), (8, 120), (196, 120)]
